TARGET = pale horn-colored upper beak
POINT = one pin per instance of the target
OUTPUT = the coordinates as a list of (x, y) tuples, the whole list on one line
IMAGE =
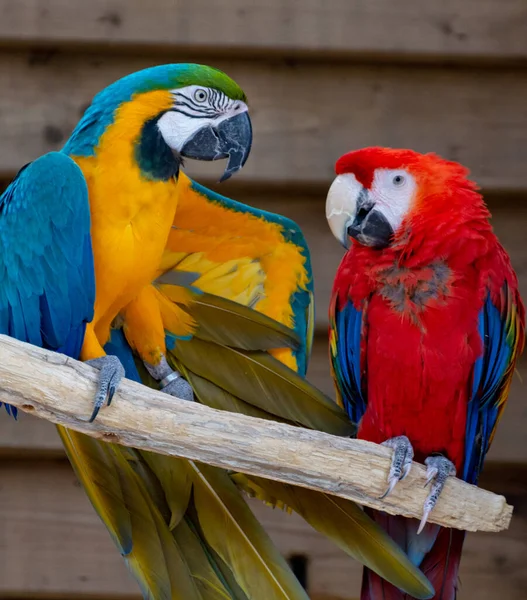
[(341, 206)]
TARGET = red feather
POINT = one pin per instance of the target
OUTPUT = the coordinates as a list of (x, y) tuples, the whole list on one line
[(421, 299)]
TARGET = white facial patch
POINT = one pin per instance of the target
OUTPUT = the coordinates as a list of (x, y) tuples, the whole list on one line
[(194, 108), (341, 205), (392, 192)]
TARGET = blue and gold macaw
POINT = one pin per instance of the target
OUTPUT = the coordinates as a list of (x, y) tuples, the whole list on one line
[(196, 294)]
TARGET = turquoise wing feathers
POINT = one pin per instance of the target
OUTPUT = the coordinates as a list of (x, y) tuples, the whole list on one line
[(47, 286)]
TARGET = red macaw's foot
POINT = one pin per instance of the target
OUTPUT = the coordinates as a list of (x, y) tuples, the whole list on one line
[(439, 469), (111, 373), (403, 454), (170, 381)]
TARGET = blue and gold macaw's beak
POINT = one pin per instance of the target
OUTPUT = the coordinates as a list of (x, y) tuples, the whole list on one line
[(231, 138)]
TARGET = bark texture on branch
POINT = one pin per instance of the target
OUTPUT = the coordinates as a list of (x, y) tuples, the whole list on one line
[(59, 389)]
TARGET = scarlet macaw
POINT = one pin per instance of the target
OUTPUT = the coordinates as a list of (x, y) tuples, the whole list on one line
[(426, 325), (174, 264)]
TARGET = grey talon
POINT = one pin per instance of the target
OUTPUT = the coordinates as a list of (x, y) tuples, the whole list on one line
[(439, 469), (111, 373), (403, 454)]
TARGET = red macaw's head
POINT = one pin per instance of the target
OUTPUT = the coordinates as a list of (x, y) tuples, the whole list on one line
[(380, 195)]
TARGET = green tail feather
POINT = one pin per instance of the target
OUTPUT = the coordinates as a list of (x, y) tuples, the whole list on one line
[(263, 381), (348, 526), (183, 528), (230, 324)]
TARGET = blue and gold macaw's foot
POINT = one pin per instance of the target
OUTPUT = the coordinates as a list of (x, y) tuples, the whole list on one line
[(403, 454), (111, 373), (439, 469), (170, 381)]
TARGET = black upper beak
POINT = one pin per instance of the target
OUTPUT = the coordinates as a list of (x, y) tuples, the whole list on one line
[(231, 139), (370, 227)]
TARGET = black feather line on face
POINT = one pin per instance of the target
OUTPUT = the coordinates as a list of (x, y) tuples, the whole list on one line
[(191, 103), (156, 160), (186, 114)]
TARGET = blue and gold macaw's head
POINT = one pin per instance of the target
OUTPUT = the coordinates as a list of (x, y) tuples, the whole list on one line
[(165, 113)]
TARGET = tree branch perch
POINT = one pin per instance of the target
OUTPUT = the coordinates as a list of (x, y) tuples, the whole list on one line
[(59, 389)]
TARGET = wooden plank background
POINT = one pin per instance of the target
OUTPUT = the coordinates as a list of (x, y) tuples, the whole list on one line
[(323, 77)]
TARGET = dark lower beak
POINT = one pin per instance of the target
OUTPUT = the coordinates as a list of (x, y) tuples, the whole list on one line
[(371, 229), (231, 139)]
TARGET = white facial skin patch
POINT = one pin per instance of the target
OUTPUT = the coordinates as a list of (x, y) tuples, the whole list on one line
[(194, 108), (392, 192)]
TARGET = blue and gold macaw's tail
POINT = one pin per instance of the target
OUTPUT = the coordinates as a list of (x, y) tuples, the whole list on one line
[(235, 295), (183, 528)]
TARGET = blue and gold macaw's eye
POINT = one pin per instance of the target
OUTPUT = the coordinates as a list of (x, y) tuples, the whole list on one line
[(200, 95)]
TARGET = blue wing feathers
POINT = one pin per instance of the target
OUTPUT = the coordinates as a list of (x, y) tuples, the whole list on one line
[(47, 286), (347, 362), (488, 376)]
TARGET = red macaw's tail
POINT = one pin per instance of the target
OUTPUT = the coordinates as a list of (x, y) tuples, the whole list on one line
[(436, 550)]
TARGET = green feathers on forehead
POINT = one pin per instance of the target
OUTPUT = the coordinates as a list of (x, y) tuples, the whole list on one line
[(177, 76), (212, 78), (163, 77)]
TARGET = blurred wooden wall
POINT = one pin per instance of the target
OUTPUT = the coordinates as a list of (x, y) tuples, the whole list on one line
[(323, 77)]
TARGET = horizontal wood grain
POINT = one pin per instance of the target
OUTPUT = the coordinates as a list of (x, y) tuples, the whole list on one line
[(38, 439), (305, 115), (61, 390), (489, 30), (53, 545)]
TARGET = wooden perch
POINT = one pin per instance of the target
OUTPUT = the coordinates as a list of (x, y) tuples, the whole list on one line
[(59, 389)]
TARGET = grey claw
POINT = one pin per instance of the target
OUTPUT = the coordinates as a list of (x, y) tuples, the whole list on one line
[(111, 373), (439, 469), (403, 454)]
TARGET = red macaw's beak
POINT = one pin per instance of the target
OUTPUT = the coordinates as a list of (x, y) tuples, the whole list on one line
[(352, 214), (369, 227), (231, 139)]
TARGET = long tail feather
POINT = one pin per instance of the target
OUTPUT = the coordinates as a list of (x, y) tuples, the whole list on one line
[(134, 521), (243, 544), (349, 527), (437, 550)]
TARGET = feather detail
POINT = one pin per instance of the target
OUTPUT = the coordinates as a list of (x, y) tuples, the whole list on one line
[(349, 527), (259, 568), (215, 397), (264, 382), (174, 477), (95, 468), (231, 324), (436, 549), (206, 574), (126, 507), (47, 288)]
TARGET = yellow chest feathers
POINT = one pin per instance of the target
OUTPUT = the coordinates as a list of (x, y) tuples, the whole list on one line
[(131, 214)]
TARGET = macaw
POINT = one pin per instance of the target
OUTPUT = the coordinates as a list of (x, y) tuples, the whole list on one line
[(111, 254), (426, 325)]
